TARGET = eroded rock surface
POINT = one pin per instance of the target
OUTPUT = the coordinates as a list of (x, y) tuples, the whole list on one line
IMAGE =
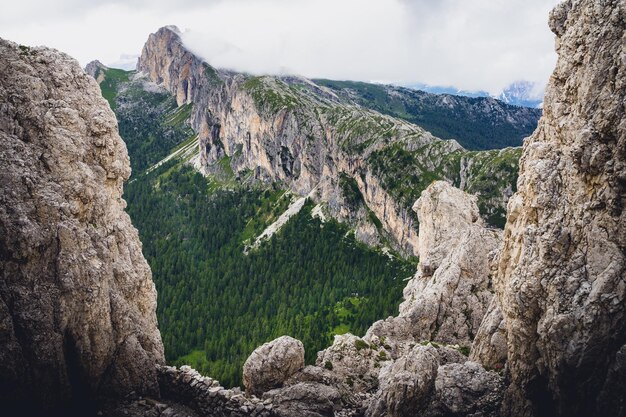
[(77, 301), (426, 383), (272, 363), (561, 275), (446, 301), (449, 296)]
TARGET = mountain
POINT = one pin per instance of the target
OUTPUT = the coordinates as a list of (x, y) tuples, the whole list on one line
[(201, 237), (208, 262), (78, 330), (477, 123), (290, 130), (521, 93)]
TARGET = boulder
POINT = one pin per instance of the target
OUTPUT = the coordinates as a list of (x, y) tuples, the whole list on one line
[(272, 363), (305, 399)]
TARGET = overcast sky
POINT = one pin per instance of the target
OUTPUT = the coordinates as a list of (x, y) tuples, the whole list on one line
[(468, 44)]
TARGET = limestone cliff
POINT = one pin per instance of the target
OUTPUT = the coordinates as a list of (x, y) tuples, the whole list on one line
[(77, 302), (561, 274), (290, 130)]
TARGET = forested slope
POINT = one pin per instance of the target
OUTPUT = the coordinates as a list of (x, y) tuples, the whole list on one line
[(312, 280)]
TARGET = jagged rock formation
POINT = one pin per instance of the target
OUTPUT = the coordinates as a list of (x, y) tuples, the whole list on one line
[(293, 131), (490, 344), (77, 302), (426, 383), (272, 363), (450, 294), (561, 274), (306, 399), (446, 301), (96, 70)]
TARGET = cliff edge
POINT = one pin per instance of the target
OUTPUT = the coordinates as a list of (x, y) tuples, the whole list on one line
[(77, 301), (561, 274)]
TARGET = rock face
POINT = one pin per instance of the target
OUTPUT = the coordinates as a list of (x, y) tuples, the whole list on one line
[(450, 294), (305, 399), (426, 383), (95, 69), (292, 131), (561, 275), (446, 301), (77, 302), (272, 363)]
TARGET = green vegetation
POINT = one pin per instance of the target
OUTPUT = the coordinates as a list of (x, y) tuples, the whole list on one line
[(350, 190), (465, 350), (113, 77), (469, 120), (212, 74), (216, 304), (270, 94), (311, 280), (405, 174), (360, 344), (151, 124), (402, 174)]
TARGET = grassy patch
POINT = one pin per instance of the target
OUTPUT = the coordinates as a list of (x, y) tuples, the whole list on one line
[(112, 79)]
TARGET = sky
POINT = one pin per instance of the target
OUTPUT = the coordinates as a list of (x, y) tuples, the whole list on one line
[(468, 44)]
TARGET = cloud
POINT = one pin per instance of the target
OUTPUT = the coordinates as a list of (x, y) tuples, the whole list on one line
[(469, 44)]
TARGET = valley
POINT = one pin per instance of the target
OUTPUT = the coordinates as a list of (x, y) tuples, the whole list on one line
[(333, 267), (218, 300), (308, 246)]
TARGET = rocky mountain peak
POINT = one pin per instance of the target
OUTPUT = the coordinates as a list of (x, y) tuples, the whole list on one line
[(95, 69)]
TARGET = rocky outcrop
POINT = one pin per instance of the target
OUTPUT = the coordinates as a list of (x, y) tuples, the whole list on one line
[(96, 69), (449, 296), (355, 363), (272, 363), (490, 345), (561, 275), (305, 399), (424, 382), (77, 302), (446, 301)]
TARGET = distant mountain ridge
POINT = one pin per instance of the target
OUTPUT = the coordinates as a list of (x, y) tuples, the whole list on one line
[(477, 123), (519, 93)]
